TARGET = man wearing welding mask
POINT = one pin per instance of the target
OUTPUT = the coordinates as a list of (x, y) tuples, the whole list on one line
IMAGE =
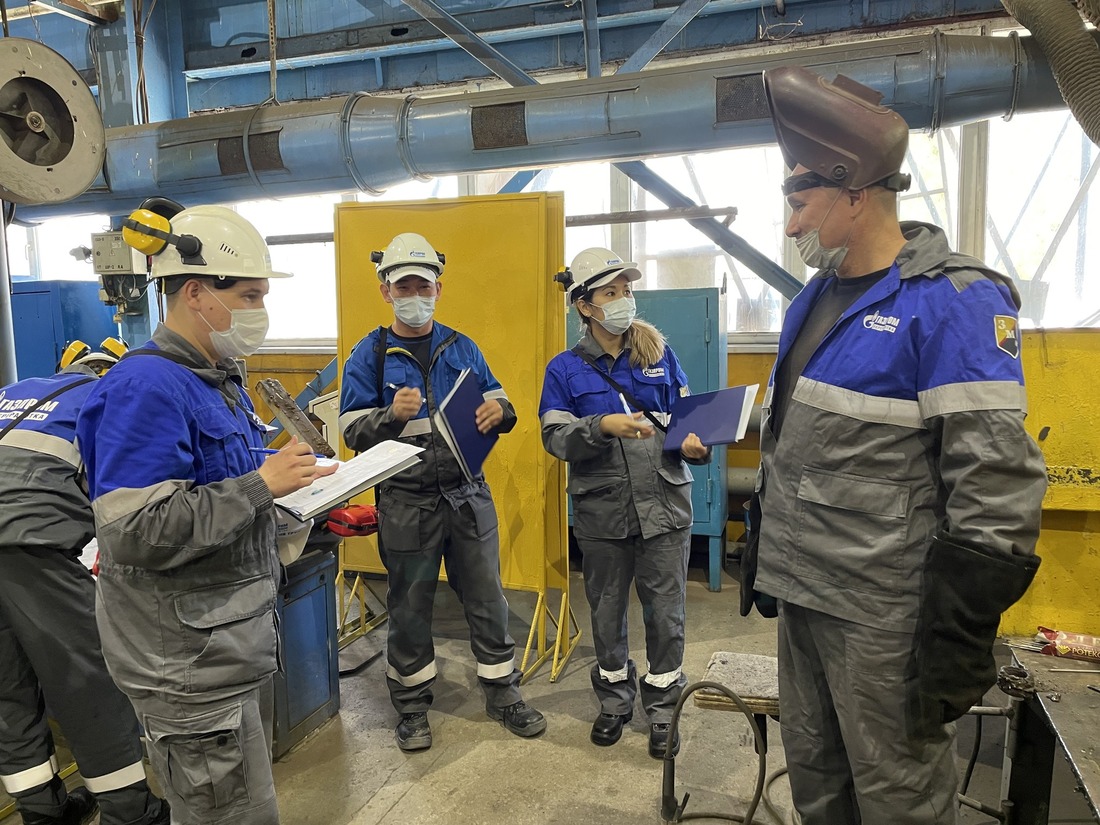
[(900, 495)]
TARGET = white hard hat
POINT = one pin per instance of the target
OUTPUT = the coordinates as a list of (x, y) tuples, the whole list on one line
[(209, 241), (596, 267), (408, 254)]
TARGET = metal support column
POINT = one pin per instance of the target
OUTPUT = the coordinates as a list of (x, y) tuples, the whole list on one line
[(7, 328)]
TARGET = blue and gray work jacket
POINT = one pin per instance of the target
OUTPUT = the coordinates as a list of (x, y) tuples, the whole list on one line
[(907, 421), (43, 502), (366, 413), (619, 486), (185, 524)]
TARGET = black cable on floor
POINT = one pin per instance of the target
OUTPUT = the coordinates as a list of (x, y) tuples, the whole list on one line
[(672, 810), (351, 671), (973, 755)]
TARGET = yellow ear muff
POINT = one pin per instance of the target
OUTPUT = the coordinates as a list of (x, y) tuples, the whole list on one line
[(76, 350), (146, 231), (114, 346)]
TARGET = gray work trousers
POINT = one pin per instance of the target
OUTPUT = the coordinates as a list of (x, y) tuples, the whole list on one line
[(413, 540), (214, 755), (658, 568), (842, 702), (52, 663)]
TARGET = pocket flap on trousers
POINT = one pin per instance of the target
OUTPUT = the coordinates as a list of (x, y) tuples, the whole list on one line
[(224, 603), (191, 727)]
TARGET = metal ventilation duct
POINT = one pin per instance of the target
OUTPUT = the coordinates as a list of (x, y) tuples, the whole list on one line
[(372, 143)]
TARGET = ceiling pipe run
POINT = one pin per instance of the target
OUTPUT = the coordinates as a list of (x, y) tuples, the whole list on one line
[(371, 143)]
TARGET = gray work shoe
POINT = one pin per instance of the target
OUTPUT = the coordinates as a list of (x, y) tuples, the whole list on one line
[(80, 808), (413, 732), (520, 719)]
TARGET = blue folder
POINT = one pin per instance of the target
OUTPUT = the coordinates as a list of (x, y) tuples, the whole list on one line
[(719, 417), (457, 423)]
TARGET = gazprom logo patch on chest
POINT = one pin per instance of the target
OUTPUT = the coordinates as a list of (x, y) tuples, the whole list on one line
[(654, 372), (881, 323), (1008, 339)]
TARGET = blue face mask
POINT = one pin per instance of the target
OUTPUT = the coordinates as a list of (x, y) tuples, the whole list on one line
[(618, 315), (414, 311)]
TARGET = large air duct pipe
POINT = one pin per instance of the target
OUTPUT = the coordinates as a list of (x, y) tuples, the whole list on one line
[(1073, 53), (371, 143)]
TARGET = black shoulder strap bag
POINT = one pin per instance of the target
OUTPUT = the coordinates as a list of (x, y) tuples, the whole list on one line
[(626, 394)]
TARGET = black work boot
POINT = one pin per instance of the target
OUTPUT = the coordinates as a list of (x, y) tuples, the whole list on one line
[(161, 814), (413, 732), (608, 727), (519, 718), (658, 740), (80, 808)]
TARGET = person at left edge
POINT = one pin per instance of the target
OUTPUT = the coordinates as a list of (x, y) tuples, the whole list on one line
[(49, 644), (185, 522), (393, 381)]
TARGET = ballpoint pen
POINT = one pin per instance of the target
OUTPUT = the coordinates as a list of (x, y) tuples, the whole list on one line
[(271, 451), (395, 387)]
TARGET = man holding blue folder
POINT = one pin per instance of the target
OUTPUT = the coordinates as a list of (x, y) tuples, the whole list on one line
[(393, 384)]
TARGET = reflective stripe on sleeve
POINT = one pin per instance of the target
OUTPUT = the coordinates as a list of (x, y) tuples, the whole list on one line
[(971, 396)]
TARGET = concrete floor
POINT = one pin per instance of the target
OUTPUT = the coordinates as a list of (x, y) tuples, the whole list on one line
[(350, 771)]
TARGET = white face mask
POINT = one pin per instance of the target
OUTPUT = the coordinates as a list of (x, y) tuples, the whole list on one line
[(246, 333), (816, 256), (414, 311), (618, 315)]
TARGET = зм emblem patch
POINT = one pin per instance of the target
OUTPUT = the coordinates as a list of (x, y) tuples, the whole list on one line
[(1008, 339)]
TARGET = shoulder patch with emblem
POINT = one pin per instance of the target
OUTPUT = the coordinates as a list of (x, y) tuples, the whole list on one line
[(1008, 339)]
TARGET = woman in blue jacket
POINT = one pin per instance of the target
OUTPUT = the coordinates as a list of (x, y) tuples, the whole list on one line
[(604, 407)]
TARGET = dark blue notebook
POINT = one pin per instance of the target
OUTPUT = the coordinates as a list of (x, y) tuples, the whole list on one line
[(719, 417), (456, 421)]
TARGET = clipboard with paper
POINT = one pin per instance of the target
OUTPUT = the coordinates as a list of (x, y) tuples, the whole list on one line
[(456, 422), (719, 417), (351, 478)]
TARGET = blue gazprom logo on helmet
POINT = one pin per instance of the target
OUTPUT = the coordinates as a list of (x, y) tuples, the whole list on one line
[(416, 253), (614, 261)]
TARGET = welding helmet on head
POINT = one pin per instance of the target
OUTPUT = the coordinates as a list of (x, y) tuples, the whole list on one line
[(838, 130), (408, 254), (593, 268), (203, 241)]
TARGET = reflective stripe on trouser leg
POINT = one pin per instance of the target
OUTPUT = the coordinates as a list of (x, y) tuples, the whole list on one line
[(31, 778), (472, 559), (219, 755), (660, 577), (842, 698), (412, 578), (608, 567), (54, 596)]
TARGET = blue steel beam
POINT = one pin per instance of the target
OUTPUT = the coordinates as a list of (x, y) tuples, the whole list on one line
[(684, 14), (769, 271), (518, 182), (473, 45)]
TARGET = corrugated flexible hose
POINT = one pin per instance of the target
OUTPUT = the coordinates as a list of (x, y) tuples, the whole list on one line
[(1073, 54)]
